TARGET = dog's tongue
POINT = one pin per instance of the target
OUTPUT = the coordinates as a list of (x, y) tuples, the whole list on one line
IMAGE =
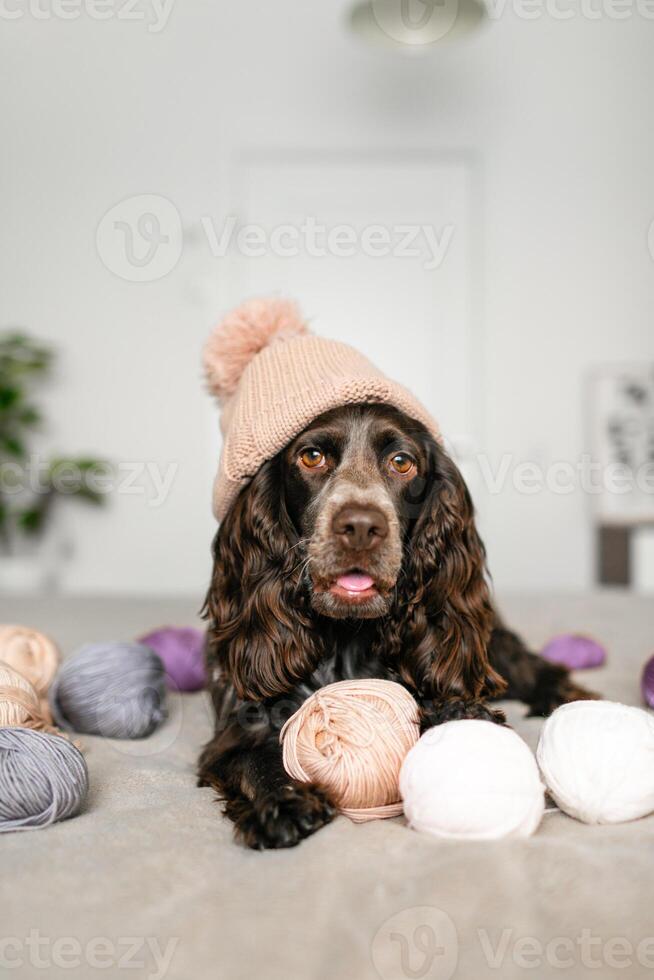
[(355, 582)]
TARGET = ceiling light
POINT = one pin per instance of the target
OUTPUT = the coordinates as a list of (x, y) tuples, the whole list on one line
[(415, 25)]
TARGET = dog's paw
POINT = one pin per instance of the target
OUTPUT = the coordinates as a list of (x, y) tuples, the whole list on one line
[(457, 709), (282, 818), (556, 687)]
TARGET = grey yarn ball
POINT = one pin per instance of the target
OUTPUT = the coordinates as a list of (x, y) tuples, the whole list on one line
[(113, 689), (43, 778)]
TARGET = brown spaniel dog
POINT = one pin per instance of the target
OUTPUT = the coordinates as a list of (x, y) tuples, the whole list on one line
[(353, 553)]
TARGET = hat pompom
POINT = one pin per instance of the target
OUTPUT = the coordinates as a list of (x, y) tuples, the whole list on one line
[(242, 334)]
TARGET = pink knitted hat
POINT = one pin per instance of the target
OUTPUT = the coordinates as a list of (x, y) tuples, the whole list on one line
[(272, 377)]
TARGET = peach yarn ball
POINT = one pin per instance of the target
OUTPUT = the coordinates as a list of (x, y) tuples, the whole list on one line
[(31, 653), (350, 738), (19, 703)]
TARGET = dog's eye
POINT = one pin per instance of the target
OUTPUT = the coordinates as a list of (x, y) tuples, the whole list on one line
[(402, 463), (312, 458)]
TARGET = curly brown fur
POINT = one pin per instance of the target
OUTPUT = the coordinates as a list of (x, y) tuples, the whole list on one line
[(440, 624), (262, 631)]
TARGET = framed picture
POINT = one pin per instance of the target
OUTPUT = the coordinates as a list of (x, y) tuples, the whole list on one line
[(622, 421)]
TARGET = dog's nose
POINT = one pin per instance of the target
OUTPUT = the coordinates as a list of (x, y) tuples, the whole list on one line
[(360, 528)]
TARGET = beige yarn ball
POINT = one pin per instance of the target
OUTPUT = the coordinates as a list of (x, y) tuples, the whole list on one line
[(31, 653), (19, 703), (350, 738), (36, 658)]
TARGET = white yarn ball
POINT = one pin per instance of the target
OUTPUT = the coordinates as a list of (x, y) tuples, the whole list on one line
[(597, 758), (472, 780)]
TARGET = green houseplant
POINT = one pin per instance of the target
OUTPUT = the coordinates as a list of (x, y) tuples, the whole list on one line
[(31, 485)]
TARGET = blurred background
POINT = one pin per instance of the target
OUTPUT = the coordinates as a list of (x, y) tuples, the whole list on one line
[(466, 193)]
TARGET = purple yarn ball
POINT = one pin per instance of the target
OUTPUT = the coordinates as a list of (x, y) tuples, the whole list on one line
[(647, 682), (182, 650), (574, 651)]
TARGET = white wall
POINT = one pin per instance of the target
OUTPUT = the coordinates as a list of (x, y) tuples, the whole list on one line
[(557, 115)]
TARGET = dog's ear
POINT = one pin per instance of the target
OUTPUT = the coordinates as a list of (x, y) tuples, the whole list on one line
[(261, 627), (443, 615)]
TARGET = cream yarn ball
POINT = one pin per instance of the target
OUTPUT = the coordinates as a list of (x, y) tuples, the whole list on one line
[(597, 758), (472, 780)]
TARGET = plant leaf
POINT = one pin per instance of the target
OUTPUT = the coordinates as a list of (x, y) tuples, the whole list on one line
[(13, 446), (32, 520)]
